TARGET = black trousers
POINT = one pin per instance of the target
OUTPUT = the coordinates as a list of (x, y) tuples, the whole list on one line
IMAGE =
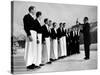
[(87, 50), (77, 47)]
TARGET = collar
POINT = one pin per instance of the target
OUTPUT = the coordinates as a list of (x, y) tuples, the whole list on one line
[(55, 29), (39, 21), (46, 26), (33, 16)]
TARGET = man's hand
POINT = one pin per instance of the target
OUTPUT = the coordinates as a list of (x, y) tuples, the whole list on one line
[(30, 38)]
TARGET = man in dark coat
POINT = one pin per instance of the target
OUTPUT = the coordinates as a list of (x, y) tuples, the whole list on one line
[(60, 40), (31, 41), (86, 36), (68, 42), (46, 38), (54, 40), (37, 23), (71, 42)]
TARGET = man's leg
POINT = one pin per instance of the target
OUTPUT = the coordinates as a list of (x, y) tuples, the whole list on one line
[(31, 52), (78, 47), (61, 44), (34, 47), (55, 46), (87, 51), (64, 44), (39, 50), (52, 56), (48, 49)]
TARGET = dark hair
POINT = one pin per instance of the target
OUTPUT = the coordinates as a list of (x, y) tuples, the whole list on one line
[(60, 23), (38, 14), (50, 21), (64, 23), (31, 8), (85, 18), (54, 23), (45, 20)]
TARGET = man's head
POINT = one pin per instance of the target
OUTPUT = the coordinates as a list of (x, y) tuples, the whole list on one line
[(85, 20), (50, 22), (38, 15), (60, 25), (64, 24), (54, 24), (46, 20), (32, 10), (74, 29)]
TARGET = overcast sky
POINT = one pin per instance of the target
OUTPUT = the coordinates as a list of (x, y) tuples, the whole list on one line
[(56, 12)]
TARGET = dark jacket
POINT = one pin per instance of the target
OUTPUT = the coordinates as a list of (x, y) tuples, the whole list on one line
[(45, 33), (86, 33), (53, 34), (64, 32), (28, 24), (38, 26), (71, 37), (59, 33)]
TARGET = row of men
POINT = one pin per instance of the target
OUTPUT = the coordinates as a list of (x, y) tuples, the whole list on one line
[(44, 42)]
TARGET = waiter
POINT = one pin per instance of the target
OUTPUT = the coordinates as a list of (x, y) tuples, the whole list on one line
[(31, 41), (37, 23), (64, 39), (60, 40), (77, 32), (46, 39), (71, 41), (67, 42), (74, 50), (77, 40), (86, 35), (55, 42)]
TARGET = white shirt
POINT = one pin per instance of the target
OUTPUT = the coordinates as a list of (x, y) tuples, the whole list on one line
[(55, 30), (61, 29), (64, 29), (46, 26), (39, 21)]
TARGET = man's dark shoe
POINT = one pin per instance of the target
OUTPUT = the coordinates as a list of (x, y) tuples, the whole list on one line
[(48, 62), (86, 58), (41, 64), (30, 67), (37, 67)]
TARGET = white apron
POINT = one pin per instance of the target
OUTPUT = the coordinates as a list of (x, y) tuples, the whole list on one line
[(64, 45), (30, 56), (47, 40), (61, 46), (55, 48), (39, 50), (44, 54), (51, 50)]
